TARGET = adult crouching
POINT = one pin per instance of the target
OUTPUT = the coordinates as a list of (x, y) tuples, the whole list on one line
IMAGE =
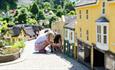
[(42, 41)]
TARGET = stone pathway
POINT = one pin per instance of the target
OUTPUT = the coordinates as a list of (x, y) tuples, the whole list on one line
[(33, 61)]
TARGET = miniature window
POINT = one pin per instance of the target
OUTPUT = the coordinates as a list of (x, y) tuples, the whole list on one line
[(87, 35), (87, 14), (80, 14), (80, 32), (102, 34), (105, 30), (66, 33), (103, 8), (99, 33), (86, 11), (105, 39), (71, 34), (103, 4)]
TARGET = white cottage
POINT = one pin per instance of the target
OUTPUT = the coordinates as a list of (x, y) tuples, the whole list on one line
[(69, 32)]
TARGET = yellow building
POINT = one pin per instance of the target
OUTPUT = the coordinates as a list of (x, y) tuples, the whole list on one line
[(95, 33)]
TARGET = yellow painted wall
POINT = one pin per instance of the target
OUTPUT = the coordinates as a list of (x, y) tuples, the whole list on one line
[(90, 24), (110, 13), (94, 12)]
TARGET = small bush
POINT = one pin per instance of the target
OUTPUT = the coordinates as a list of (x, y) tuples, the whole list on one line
[(1, 44), (19, 44)]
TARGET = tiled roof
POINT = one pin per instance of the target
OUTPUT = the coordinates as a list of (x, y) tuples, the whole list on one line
[(66, 19), (29, 31), (102, 19), (71, 22), (85, 2), (37, 28), (16, 31)]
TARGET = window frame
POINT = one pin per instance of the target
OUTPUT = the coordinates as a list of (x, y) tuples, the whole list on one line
[(71, 35), (87, 12), (80, 33), (87, 35), (103, 7), (100, 36), (80, 16)]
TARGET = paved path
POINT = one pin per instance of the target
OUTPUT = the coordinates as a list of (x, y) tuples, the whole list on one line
[(32, 61)]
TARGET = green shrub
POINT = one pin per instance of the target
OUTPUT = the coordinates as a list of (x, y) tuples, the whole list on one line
[(1, 44), (19, 44), (31, 21)]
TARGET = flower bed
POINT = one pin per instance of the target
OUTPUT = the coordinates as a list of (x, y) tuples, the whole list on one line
[(9, 54)]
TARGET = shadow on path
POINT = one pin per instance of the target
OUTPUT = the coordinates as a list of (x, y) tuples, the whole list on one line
[(75, 65)]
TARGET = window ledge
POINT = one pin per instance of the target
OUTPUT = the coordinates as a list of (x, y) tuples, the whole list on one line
[(101, 46)]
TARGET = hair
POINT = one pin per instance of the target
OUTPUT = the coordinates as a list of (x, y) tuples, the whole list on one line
[(46, 31), (57, 38), (50, 33)]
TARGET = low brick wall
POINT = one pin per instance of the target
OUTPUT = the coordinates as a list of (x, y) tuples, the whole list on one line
[(10, 57)]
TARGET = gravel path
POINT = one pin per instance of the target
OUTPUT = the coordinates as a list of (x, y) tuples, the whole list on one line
[(33, 61)]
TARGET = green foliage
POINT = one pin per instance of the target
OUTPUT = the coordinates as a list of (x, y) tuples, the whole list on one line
[(34, 9), (39, 10), (11, 23), (31, 21), (19, 44), (47, 6), (1, 44), (71, 13), (8, 4), (59, 13), (69, 7), (22, 17), (1, 18), (40, 15), (52, 19), (7, 42), (59, 7), (4, 27)]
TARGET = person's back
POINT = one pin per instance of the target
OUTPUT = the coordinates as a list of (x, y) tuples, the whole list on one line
[(41, 38), (40, 43)]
